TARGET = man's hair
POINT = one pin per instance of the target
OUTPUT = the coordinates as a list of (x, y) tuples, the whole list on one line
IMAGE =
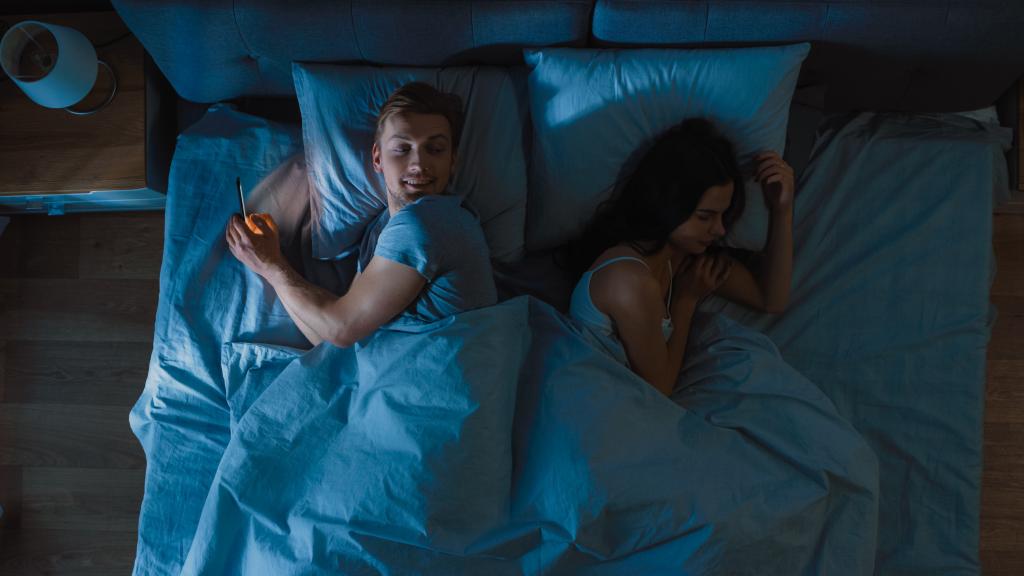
[(422, 98)]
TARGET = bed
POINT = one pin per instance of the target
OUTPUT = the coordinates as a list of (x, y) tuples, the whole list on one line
[(841, 437)]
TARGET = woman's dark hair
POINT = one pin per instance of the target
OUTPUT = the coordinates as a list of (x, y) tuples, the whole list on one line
[(661, 192)]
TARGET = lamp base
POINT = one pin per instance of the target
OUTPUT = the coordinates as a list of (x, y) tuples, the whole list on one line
[(101, 105)]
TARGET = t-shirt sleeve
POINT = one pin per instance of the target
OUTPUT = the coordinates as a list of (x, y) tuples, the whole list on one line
[(369, 242), (410, 239)]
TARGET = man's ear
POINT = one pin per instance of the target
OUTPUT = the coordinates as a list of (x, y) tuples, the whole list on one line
[(376, 159)]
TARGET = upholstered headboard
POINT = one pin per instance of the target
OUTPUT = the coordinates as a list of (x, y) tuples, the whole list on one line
[(922, 55), (909, 55)]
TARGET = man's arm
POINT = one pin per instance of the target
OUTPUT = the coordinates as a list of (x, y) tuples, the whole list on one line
[(376, 296), (380, 293)]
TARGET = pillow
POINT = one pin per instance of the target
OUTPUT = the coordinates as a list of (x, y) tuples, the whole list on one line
[(592, 108), (339, 106)]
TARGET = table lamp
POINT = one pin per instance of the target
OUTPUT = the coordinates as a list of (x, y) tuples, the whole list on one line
[(55, 66)]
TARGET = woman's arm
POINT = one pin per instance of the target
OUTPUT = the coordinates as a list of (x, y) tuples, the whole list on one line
[(769, 290), (637, 310), (634, 302), (777, 261)]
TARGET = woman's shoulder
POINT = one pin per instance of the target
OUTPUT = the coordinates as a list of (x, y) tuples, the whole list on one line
[(623, 259), (625, 282)]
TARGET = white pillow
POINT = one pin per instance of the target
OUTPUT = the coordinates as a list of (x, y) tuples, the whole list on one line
[(339, 106), (592, 108)]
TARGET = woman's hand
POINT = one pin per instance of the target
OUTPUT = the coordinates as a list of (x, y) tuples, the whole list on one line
[(702, 275), (776, 180), (255, 242)]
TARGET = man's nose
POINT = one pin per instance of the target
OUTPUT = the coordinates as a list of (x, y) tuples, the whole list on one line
[(414, 159)]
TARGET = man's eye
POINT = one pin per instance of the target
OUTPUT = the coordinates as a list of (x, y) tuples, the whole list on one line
[(400, 149), (437, 150), (703, 217)]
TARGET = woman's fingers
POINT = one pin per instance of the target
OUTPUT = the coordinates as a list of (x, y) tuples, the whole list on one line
[(772, 169), (689, 265), (725, 272), (721, 266)]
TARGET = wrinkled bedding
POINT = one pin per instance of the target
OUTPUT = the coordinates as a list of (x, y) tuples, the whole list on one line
[(889, 314), (502, 441), (499, 440)]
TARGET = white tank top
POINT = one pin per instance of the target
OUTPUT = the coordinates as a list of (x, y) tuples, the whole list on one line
[(582, 308)]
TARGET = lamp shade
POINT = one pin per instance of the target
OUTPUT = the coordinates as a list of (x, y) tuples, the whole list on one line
[(54, 65)]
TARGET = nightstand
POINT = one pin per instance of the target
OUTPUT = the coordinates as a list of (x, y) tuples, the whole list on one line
[(55, 162)]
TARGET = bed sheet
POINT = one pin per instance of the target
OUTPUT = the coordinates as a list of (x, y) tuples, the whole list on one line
[(890, 315), (206, 298), (500, 441), (580, 467)]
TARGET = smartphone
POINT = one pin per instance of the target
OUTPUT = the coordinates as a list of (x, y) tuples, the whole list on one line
[(241, 199)]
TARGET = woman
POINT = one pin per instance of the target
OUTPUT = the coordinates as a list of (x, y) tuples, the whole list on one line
[(652, 253)]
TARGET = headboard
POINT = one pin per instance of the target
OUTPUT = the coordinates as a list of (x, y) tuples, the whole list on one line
[(908, 55), (922, 55)]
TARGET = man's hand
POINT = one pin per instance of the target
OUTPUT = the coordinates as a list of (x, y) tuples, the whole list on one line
[(255, 243)]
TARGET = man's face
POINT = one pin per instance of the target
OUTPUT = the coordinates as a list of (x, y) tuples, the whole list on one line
[(415, 155)]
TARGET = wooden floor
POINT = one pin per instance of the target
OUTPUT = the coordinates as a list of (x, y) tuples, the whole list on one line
[(77, 301)]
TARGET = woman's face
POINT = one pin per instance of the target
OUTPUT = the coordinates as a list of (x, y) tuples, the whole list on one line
[(704, 226)]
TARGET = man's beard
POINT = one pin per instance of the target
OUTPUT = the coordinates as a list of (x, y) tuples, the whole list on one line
[(403, 199)]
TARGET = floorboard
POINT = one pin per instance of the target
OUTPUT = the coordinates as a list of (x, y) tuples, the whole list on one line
[(78, 310), (91, 373), (37, 246), (120, 246), (100, 499), (66, 553), (1002, 486), (68, 436)]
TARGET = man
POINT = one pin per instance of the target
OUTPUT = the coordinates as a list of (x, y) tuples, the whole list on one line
[(424, 259)]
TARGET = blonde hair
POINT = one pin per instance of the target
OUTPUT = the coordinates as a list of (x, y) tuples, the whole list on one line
[(422, 98)]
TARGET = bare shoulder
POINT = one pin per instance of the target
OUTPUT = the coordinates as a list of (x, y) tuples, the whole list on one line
[(625, 287)]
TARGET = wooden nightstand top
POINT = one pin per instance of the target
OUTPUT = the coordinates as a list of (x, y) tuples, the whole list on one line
[(49, 151)]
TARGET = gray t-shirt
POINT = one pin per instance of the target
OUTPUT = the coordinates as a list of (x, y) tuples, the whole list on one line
[(443, 241)]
